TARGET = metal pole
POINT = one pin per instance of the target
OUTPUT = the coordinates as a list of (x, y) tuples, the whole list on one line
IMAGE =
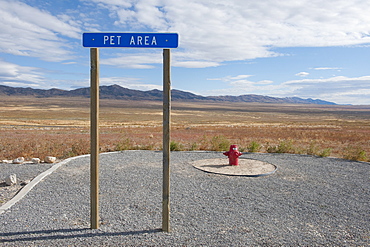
[(94, 136), (166, 140)]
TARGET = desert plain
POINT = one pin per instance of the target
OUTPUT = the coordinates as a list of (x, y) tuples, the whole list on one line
[(36, 127)]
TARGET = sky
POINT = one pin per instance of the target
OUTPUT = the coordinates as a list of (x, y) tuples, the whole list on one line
[(289, 48)]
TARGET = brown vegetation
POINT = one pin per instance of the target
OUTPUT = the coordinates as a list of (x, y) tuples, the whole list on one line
[(33, 127)]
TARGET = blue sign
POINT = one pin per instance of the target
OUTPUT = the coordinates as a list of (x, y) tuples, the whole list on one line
[(131, 40)]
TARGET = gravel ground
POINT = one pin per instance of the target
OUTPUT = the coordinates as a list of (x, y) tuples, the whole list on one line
[(309, 201), (24, 172)]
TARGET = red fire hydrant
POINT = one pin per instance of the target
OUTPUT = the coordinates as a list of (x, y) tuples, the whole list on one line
[(233, 155)]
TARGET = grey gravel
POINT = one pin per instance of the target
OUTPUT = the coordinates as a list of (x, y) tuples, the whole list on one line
[(24, 172), (309, 201)]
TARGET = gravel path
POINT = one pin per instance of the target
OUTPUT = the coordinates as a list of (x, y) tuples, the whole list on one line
[(309, 201)]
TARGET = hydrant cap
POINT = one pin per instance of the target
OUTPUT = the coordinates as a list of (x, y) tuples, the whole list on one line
[(234, 148)]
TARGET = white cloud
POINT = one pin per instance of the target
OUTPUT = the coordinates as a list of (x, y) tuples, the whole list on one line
[(15, 75), (144, 60), (211, 31), (217, 30), (240, 80), (339, 89), (230, 78), (132, 83), (195, 64), (244, 83), (106, 3), (20, 76), (182, 58), (327, 68), (239, 77), (302, 74), (148, 60), (28, 31), (238, 85)]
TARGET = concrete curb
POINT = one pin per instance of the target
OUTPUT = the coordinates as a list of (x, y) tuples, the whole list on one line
[(33, 183)]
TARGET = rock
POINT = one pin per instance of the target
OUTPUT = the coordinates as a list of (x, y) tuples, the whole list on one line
[(18, 160), (35, 160), (6, 161), (11, 180), (50, 159)]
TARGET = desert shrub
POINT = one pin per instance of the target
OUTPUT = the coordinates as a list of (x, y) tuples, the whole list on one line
[(125, 144), (150, 146), (79, 147), (285, 146), (355, 153), (271, 148), (175, 146), (325, 153), (203, 143), (193, 146), (312, 149), (220, 143), (254, 147)]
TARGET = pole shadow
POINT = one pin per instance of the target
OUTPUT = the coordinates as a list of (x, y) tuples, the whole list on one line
[(66, 234)]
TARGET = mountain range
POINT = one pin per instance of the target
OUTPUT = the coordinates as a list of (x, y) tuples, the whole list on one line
[(118, 92)]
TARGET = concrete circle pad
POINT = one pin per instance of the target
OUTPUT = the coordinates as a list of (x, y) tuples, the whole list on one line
[(246, 167)]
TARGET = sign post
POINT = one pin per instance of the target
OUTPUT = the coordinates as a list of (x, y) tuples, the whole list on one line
[(94, 136), (166, 140), (129, 40)]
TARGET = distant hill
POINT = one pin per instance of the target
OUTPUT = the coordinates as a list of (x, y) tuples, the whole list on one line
[(118, 92)]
